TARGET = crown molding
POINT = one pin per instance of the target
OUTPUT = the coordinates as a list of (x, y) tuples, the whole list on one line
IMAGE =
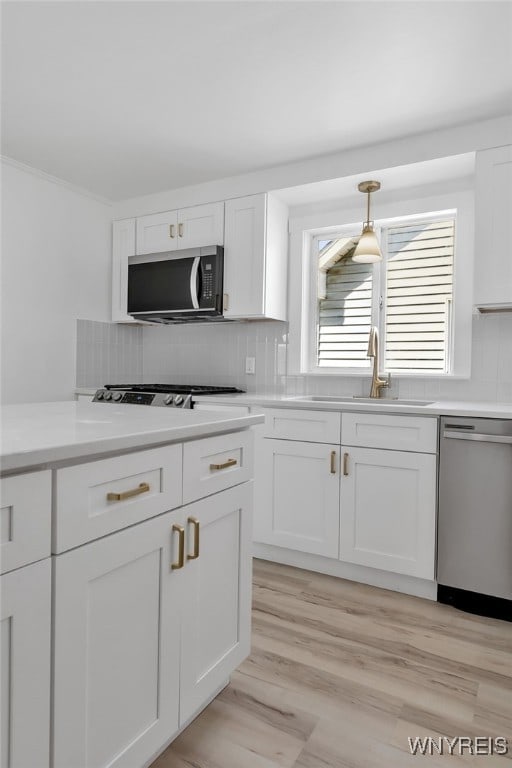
[(54, 179)]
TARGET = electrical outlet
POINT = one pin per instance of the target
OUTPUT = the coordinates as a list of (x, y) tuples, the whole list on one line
[(250, 365)]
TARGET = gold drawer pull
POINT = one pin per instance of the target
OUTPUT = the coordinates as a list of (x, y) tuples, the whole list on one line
[(143, 488), (181, 546), (228, 463), (171, 230), (345, 464), (195, 522), (333, 462)]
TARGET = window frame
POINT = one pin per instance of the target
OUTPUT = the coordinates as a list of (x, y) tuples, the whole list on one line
[(302, 281)]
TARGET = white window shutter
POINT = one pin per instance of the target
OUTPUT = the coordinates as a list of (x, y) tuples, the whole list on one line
[(345, 314), (419, 289)]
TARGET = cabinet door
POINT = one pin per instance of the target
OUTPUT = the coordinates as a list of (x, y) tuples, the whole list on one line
[(244, 256), (201, 225), (123, 246), (298, 503), (216, 594), (25, 666), (116, 648), (388, 510), (157, 232), (493, 251)]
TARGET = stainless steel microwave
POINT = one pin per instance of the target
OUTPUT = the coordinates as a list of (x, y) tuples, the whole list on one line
[(177, 288)]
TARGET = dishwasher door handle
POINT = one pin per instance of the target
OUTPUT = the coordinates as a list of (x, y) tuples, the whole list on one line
[(479, 437)]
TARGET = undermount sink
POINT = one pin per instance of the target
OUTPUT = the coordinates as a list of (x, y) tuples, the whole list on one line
[(357, 398)]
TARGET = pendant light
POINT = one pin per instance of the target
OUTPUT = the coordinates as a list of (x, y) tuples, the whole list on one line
[(367, 250)]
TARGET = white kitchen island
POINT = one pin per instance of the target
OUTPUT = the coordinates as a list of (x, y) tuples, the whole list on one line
[(126, 577)]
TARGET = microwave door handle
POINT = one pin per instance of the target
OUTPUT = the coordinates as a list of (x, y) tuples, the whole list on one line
[(194, 282)]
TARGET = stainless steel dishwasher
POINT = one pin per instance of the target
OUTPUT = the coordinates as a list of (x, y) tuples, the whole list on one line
[(474, 549)]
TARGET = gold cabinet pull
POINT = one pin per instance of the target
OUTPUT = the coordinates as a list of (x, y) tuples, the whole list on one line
[(171, 230), (195, 522), (345, 464), (333, 462), (225, 465), (181, 546), (226, 301), (180, 229), (142, 488)]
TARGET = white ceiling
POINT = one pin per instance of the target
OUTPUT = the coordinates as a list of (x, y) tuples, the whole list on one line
[(127, 98)]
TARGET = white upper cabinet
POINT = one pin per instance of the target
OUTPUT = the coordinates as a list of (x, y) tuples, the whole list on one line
[(201, 225), (186, 228), (493, 237), (123, 246), (254, 232), (255, 258), (157, 232)]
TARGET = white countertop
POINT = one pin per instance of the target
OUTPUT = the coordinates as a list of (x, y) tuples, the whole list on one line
[(474, 408), (482, 409), (43, 433)]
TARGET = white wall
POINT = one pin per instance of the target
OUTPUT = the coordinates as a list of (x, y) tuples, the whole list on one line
[(56, 256), (412, 149)]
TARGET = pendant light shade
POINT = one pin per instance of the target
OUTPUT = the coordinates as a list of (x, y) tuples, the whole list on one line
[(367, 250)]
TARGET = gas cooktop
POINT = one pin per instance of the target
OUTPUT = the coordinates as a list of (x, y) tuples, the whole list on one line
[(174, 395)]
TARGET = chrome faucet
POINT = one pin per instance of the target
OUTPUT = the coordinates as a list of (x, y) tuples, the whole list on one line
[(373, 351)]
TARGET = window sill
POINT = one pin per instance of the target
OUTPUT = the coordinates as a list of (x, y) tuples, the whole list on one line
[(367, 372)]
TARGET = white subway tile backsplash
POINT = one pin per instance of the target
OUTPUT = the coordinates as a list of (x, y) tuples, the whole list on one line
[(215, 354), (107, 353)]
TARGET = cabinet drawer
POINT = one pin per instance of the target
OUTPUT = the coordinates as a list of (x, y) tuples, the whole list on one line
[(25, 519), (397, 433), (147, 483), (215, 463), (309, 426)]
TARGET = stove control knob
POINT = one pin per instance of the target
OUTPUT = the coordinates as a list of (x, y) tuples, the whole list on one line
[(117, 396), (108, 396), (99, 394), (168, 399), (178, 400)]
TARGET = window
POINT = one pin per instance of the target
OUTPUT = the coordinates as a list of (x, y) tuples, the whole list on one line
[(408, 296)]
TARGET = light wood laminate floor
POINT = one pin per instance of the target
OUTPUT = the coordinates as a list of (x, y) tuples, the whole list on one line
[(341, 674)]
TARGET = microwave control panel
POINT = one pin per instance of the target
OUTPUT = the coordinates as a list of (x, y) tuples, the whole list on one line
[(211, 271)]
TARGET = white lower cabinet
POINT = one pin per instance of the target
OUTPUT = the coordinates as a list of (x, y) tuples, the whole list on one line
[(371, 503), (216, 594), (25, 666), (298, 496), (116, 648), (149, 622), (388, 510)]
